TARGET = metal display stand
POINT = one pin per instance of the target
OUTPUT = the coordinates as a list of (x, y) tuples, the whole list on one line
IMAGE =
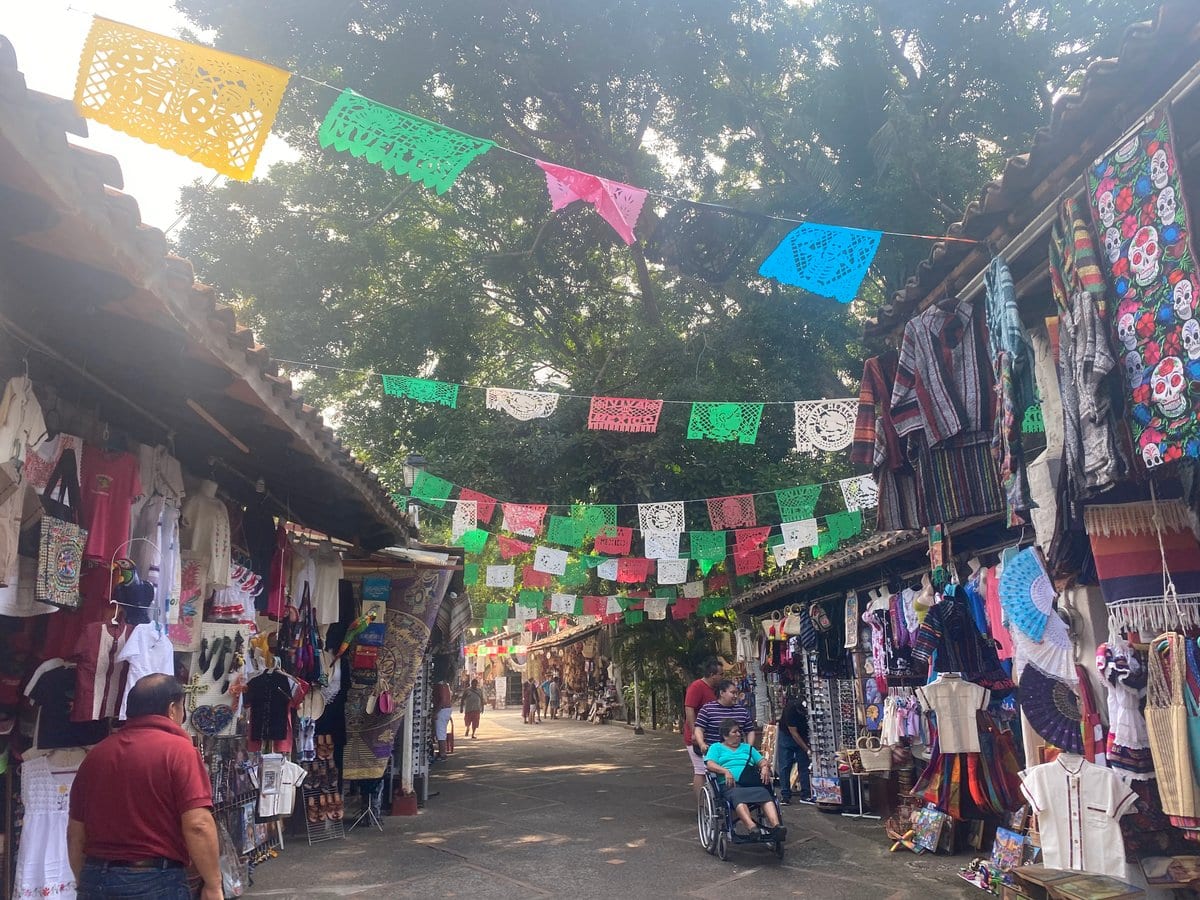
[(858, 782), (421, 733), (325, 830), (372, 807)]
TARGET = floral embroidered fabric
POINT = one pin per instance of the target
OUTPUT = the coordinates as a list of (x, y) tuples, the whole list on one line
[(1137, 200)]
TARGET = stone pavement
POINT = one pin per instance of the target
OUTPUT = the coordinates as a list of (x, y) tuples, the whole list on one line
[(572, 809)]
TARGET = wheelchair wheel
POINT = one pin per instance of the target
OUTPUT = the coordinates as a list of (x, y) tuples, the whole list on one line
[(779, 849), (722, 847), (707, 820)]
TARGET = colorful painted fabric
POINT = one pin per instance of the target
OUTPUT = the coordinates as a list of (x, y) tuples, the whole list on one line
[(823, 259), (878, 447), (431, 489), (511, 547), (797, 502), (1006, 446), (707, 545), (485, 506), (619, 204), (627, 414), (594, 516), (396, 141), (1137, 199), (475, 541), (725, 422), (567, 531), (422, 390), (736, 511), (614, 540), (210, 106)]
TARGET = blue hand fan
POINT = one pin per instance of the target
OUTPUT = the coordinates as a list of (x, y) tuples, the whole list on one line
[(1026, 593)]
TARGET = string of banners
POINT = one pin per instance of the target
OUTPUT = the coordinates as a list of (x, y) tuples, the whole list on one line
[(819, 425), (217, 109), (535, 546)]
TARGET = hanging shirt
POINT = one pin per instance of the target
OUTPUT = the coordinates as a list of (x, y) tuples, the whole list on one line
[(52, 688), (1078, 805), (148, 652), (269, 699), (281, 568), (325, 591), (955, 702), (100, 675), (948, 637), (111, 483), (204, 530)]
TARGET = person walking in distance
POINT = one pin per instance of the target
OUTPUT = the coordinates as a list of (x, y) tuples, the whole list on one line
[(141, 805), (553, 694), (443, 709), (698, 693), (471, 708), (793, 750)]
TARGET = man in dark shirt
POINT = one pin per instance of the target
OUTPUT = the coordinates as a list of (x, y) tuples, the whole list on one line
[(793, 750), (141, 805)]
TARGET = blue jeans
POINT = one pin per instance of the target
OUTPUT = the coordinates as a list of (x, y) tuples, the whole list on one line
[(790, 754), (97, 882)]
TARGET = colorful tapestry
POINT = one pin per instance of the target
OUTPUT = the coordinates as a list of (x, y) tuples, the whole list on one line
[(1137, 201), (422, 390), (213, 107), (823, 259), (725, 422), (485, 506), (396, 141), (624, 414)]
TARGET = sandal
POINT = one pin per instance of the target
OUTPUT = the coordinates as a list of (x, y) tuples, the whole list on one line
[(313, 811)]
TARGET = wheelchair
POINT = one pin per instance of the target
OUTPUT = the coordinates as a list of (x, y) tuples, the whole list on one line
[(715, 820)]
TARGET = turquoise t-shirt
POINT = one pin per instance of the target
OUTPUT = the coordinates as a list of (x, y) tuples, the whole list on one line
[(733, 760)]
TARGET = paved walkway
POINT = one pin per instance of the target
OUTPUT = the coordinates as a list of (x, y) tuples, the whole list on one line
[(568, 809)]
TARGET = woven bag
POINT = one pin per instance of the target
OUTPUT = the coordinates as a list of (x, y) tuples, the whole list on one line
[(1166, 721), (874, 756)]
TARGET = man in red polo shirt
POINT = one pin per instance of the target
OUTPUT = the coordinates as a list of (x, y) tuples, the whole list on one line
[(698, 693), (141, 805)]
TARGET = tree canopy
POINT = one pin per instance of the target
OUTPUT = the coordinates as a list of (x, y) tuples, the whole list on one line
[(882, 114)]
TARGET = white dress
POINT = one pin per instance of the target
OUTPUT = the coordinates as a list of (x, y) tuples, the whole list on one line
[(43, 868), (148, 652)]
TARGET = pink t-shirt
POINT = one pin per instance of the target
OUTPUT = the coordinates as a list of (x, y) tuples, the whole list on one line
[(111, 482), (995, 616), (698, 693)]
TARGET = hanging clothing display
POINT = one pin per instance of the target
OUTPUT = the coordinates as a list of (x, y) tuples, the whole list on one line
[(955, 702), (111, 483), (1167, 725), (1128, 740), (148, 652), (948, 641), (879, 447), (43, 866)]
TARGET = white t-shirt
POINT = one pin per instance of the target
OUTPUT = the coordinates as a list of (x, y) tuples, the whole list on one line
[(148, 652), (325, 592), (955, 701), (1078, 805), (284, 799)]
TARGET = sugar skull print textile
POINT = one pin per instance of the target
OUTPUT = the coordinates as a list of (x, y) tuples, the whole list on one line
[(1139, 214)]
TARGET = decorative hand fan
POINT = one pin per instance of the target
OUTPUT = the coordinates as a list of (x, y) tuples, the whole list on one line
[(1026, 593), (1052, 708), (1053, 655)]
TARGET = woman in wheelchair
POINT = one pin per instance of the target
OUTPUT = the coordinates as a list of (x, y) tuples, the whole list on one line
[(745, 776)]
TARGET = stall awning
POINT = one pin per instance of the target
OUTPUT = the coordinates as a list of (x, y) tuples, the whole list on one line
[(104, 315)]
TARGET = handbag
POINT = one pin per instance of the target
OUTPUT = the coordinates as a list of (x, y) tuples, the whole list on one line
[(773, 627), (873, 755), (750, 776), (791, 621), (1167, 724), (62, 541)]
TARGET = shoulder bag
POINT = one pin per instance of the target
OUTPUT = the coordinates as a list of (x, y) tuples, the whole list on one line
[(749, 776), (60, 549)]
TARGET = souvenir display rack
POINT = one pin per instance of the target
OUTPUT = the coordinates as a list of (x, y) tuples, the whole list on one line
[(822, 726)]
